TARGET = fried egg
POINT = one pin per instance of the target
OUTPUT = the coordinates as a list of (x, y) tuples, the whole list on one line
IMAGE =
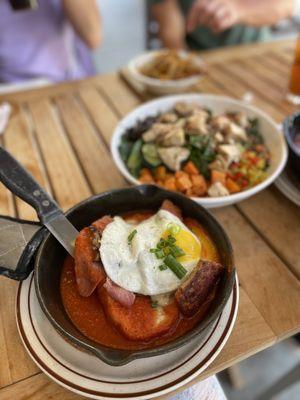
[(132, 266)]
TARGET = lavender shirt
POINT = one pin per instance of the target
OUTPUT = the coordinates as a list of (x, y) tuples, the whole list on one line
[(40, 44)]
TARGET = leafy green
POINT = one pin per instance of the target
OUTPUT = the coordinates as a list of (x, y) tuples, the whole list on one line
[(202, 152), (253, 132), (125, 148), (134, 161)]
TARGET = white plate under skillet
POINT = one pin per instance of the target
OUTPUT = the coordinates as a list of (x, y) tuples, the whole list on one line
[(86, 375)]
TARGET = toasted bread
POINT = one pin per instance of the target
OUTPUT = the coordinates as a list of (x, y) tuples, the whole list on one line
[(140, 322)]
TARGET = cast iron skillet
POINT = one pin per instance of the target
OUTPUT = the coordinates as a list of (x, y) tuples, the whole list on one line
[(50, 256)]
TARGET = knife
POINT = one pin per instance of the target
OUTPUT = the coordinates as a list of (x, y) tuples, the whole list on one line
[(23, 185)]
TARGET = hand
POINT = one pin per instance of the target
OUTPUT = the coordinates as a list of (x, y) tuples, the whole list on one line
[(217, 15)]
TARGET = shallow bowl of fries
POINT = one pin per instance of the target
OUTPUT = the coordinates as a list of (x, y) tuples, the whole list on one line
[(167, 71)]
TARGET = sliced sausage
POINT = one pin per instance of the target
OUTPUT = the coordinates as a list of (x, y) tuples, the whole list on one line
[(169, 206), (140, 322), (89, 273), (88, 267), (195, 290), (101, 224)]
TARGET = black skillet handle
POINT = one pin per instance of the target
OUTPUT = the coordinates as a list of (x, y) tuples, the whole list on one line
[(23, 185), (19, 242)]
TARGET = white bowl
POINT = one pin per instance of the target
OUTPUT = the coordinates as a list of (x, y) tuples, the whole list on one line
[(159, 86), (272, 135)]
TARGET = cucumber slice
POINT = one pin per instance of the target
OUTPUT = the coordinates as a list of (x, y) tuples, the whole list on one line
[(151, 155), (134, 161)]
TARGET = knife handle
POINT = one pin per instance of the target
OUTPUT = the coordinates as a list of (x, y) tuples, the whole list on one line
[(23, 185)]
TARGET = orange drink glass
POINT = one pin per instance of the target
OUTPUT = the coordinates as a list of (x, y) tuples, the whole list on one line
[(294, 85)]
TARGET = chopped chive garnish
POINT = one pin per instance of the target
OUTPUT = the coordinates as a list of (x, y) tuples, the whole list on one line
[(163, 267), (174, 228), (159, 254), (176, 251), (161, 244), (175, 266), (131, 236), (167, 250), (171, 239)]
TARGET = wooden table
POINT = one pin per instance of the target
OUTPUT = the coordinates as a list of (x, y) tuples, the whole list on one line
[(61, 135)]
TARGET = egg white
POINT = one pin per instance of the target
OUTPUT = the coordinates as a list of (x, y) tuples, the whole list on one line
[(133, 266)]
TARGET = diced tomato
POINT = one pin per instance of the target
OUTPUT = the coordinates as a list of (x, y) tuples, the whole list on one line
[(254, 160), (237, 175)]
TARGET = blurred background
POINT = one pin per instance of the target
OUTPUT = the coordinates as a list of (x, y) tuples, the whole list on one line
[(137, 31)]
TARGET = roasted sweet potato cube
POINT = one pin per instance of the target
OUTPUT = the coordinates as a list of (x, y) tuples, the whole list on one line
[(183, 183), (199, 187), (190, 168)]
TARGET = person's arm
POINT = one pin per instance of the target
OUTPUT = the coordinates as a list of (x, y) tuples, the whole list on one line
[(223, 14), (85, 19), (171, 23)]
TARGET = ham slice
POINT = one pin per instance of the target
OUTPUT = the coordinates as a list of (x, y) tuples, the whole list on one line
[(123, 296), (169, 206), (88, 270)]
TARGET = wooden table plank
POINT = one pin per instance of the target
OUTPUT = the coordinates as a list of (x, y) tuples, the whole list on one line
[(15, 363), (277, 219), (252, 49), (118, 93), (272, 61), (67, 179), (276, 80), (224, 82), (89, 146), (264, 277), (36, 388), (260, 87), (103, 116), (286, 58), (20, 142), (6, 202)]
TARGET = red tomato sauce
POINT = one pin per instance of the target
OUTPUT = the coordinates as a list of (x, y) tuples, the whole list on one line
[(87, 313)]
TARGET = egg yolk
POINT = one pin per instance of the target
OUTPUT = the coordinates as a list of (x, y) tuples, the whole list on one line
[(188, 243)]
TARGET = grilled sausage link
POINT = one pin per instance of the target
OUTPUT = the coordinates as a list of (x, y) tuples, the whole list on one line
[(194, 291)]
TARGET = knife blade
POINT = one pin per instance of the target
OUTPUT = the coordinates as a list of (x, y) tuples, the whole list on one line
[(62, 229)]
